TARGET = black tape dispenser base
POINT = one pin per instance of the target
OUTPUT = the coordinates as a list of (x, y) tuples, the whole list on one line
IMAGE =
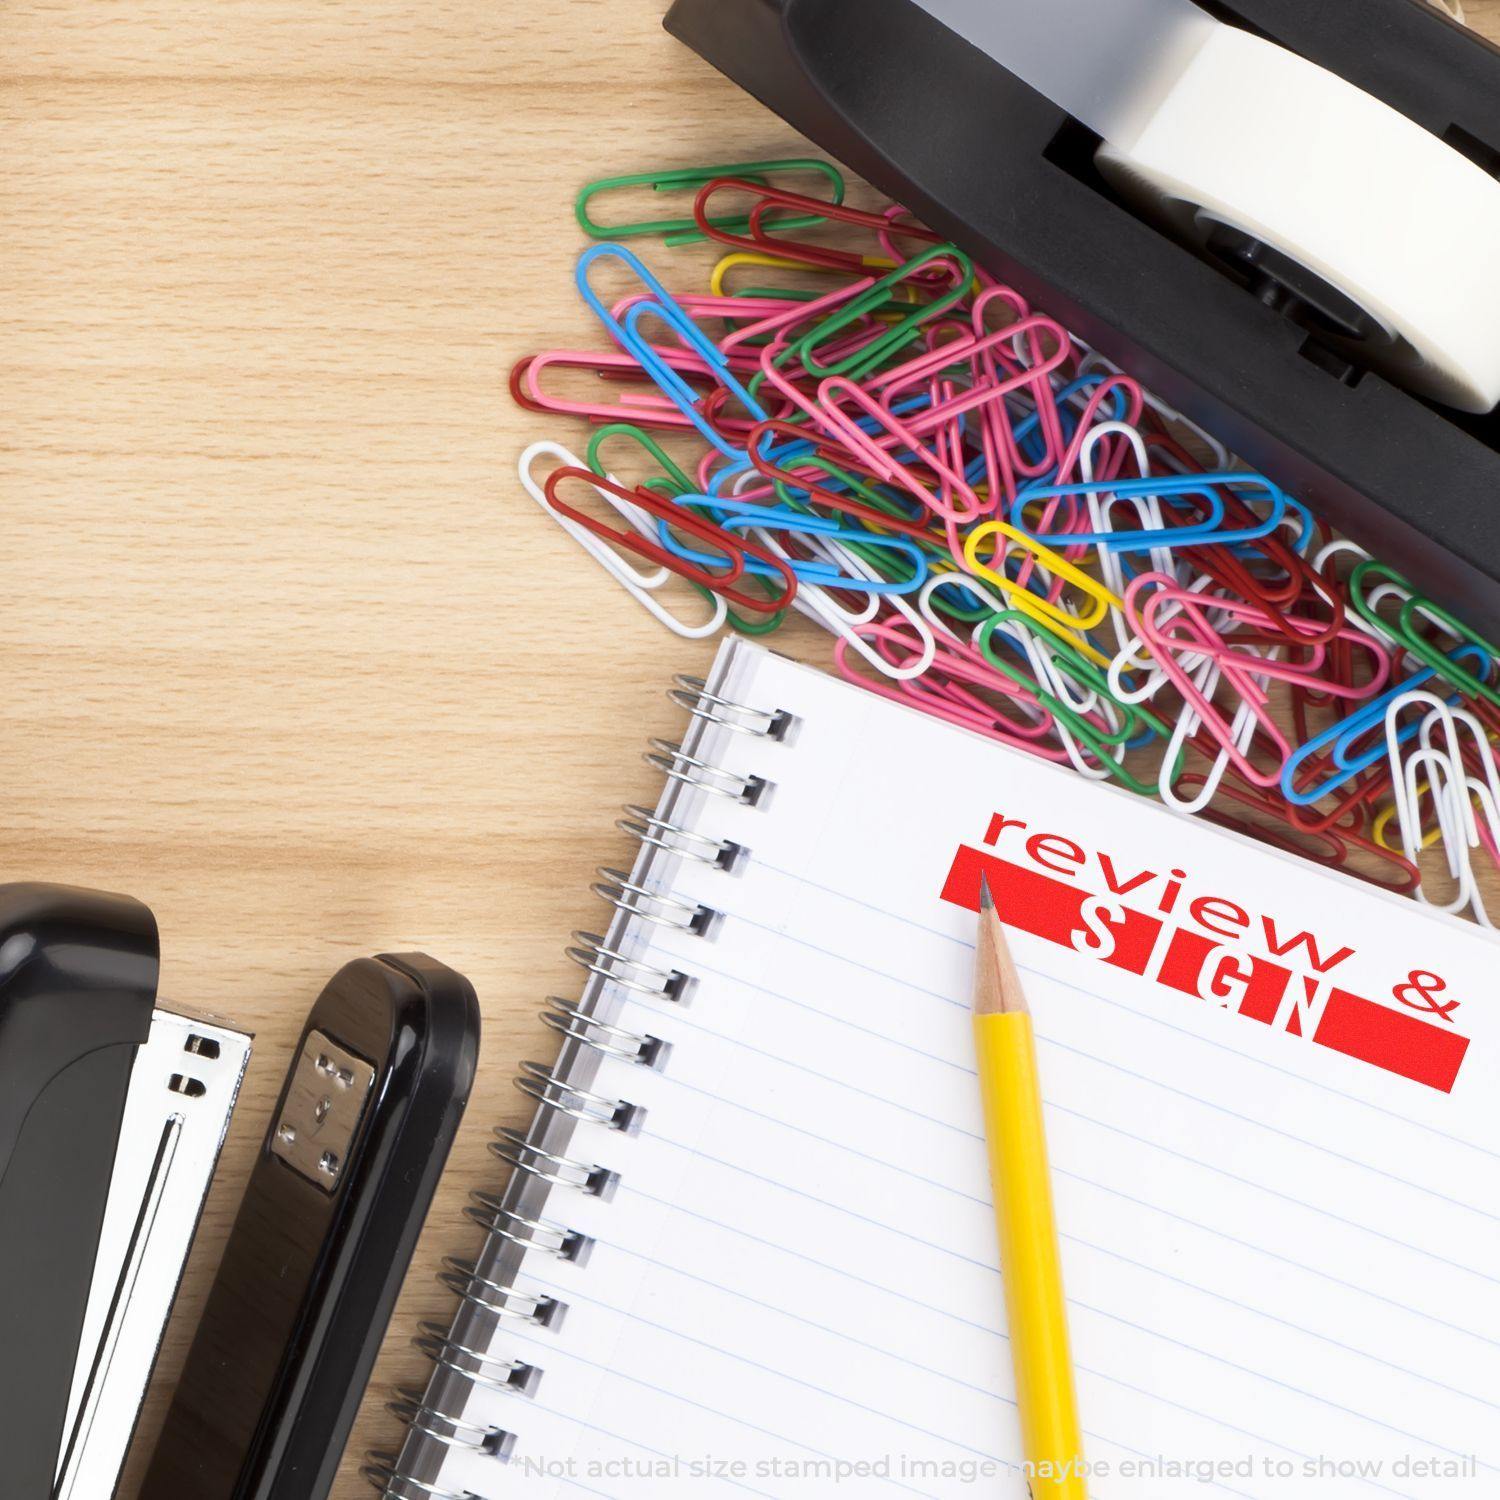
[(1251, 347)]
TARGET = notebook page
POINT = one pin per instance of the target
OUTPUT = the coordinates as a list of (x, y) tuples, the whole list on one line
[(1277, 1178)]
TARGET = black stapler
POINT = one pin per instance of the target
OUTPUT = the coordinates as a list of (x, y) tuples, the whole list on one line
[(1247, 345), (78, 977), (111, 1118)]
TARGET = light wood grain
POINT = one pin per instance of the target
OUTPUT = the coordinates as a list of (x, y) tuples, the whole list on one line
[(286, 653)]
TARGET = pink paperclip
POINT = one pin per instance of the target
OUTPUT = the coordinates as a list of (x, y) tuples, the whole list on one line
[(637, 406), (1243, 683), (939, 691), (1070, 512), (893, 384), (1307, 673), (948, 440), (898, 219), (997, 292), (1068, 468), (779, 325), (879, 460), (996, 419)]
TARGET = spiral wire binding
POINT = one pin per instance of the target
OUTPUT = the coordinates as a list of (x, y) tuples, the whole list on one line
[(557, 1171), (591, 952), (646, 828), (484, 1369), (556, 1095), (381, 1471), (450, 1431), (568, 1019)]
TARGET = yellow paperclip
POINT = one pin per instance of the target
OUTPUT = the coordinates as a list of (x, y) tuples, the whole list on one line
[(779, 263), (1383, 822), (1053, 616), (1023, 605)]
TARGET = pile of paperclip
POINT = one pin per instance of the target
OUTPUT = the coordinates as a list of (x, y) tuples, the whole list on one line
[(1000, 528)]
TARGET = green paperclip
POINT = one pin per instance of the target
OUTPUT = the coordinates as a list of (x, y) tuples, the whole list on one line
[(1077, 666), (901, 333), (671, 472), (686, 231), (765, 624), (1404, 630)]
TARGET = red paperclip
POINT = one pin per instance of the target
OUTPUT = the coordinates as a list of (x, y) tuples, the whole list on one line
[(735, 548), (770, 200)]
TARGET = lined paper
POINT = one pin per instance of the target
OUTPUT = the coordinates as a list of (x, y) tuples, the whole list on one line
[(1282, 1260)]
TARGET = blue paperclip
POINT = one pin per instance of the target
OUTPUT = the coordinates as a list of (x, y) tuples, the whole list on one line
[(737, 515), (791, 449), (628, 337), (1345, 735), (1166, 487)]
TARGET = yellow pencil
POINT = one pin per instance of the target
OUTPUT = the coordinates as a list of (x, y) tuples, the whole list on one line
[(1030, 1264)]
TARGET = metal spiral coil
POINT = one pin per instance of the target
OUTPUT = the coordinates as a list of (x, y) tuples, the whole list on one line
[(656, 907), (568, 1018), (462, 1277), (380, 1470), (560, 1171), (486, 1210), (450, 1431), (590, 951), (482, 1369), (647, 828), (692, 694), (538, 1082), (677, 765)]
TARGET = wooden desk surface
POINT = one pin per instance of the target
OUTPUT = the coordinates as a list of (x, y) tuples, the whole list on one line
[(287, 654)]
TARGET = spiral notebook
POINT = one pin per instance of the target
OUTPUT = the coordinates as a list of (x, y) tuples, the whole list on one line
[(748, 1249)]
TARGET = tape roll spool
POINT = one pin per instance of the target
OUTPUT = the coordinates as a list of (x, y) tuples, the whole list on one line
[(1253, 141), (1327, 193)]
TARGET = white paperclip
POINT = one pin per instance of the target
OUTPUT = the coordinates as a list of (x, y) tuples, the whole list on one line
[(636, 582), (1242, 732), (1453, 792), (965, 581)]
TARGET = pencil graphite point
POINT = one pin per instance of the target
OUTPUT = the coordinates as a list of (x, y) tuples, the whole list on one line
[(997, 986)]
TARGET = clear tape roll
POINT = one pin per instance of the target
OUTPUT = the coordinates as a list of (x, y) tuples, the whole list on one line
[(1210, 128), (1262, 141)]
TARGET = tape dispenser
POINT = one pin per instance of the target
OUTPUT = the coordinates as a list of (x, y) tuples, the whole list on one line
[(1283, 218)]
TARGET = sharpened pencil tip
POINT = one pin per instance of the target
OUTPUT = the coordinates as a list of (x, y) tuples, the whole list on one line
[(997, 989)]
